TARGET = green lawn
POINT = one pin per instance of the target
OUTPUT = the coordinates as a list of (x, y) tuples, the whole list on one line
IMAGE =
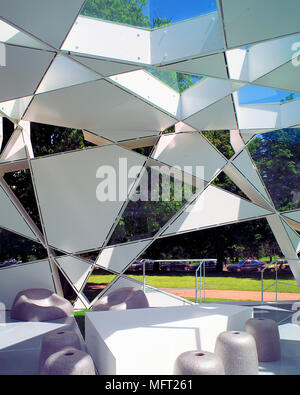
[(222, 282)]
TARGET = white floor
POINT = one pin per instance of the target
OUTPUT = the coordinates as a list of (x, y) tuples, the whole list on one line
[(20, 342)]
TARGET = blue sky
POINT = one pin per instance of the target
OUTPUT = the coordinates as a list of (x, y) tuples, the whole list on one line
[(178, 10), (251, 94)]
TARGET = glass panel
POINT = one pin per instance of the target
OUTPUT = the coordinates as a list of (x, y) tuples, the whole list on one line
[(8, 129), (251, 94), (221, 140), (48, 139), (20, 183), (175, 80), (97, 282), (67, 289), (15, 249), (172, 260), (158, 197), (147, 14), (277, 157), (224, 182)]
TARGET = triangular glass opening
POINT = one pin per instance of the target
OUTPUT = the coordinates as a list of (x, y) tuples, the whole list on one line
[(15, 249), (148, 14), (67, 289), (8, 129), (155, 201), (221, 140), (276, 155), (89, 256), (251, 94), (97, 283), (179, 82), (49, 139), (20, 182), (224, 182)]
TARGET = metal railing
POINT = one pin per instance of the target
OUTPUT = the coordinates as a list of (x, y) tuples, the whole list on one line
[(276, 282), (200, 280)]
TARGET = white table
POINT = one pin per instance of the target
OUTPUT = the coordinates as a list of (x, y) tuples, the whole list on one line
[(148, 341)]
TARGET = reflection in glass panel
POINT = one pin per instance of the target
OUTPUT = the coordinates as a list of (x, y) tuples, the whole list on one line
[(158, 197), (148, 14), (97, 282), (277, 157), (175, 80), (251, 94), (15, 249), (221, 140)]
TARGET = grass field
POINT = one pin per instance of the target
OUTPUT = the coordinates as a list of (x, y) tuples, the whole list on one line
[(223, 281)]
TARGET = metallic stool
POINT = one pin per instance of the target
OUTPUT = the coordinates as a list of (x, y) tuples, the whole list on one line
[(55, 341), (237, 351), (198, 363), (266, 335), (68, 361)]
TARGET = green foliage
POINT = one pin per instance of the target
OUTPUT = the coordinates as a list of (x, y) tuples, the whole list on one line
[(277, 156), (130, 12)]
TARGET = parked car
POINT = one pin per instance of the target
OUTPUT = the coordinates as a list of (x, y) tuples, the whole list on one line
[(246, 265), (174, 266), (278, 264), (210, 265), (136, 266), (10, 262)]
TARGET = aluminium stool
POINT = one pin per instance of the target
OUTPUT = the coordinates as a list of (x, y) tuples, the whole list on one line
[(68, 361), (237, 351), (55, 341), (198, 363), (266, 335)]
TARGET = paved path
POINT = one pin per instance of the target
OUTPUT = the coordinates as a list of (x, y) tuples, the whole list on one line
[(234, 295)]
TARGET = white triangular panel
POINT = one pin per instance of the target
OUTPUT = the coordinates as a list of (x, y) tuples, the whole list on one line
[(15, 109), (37, 17), (218, 116), (293, 236), (23, 71), (215, 207), (246, 136), (213, 65), (282, 237), (76, 221), (76, 269), (245, 165), (191, 152), (15, 148), (11, 35), (118, 258), (95, 105), (294, 215), (121, 135), (105, 67), (65, 72), (285, 77), (11, 219)]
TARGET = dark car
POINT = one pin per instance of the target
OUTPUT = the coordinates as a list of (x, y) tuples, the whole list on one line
[(174, 266), (210, 265), (248, 265)]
